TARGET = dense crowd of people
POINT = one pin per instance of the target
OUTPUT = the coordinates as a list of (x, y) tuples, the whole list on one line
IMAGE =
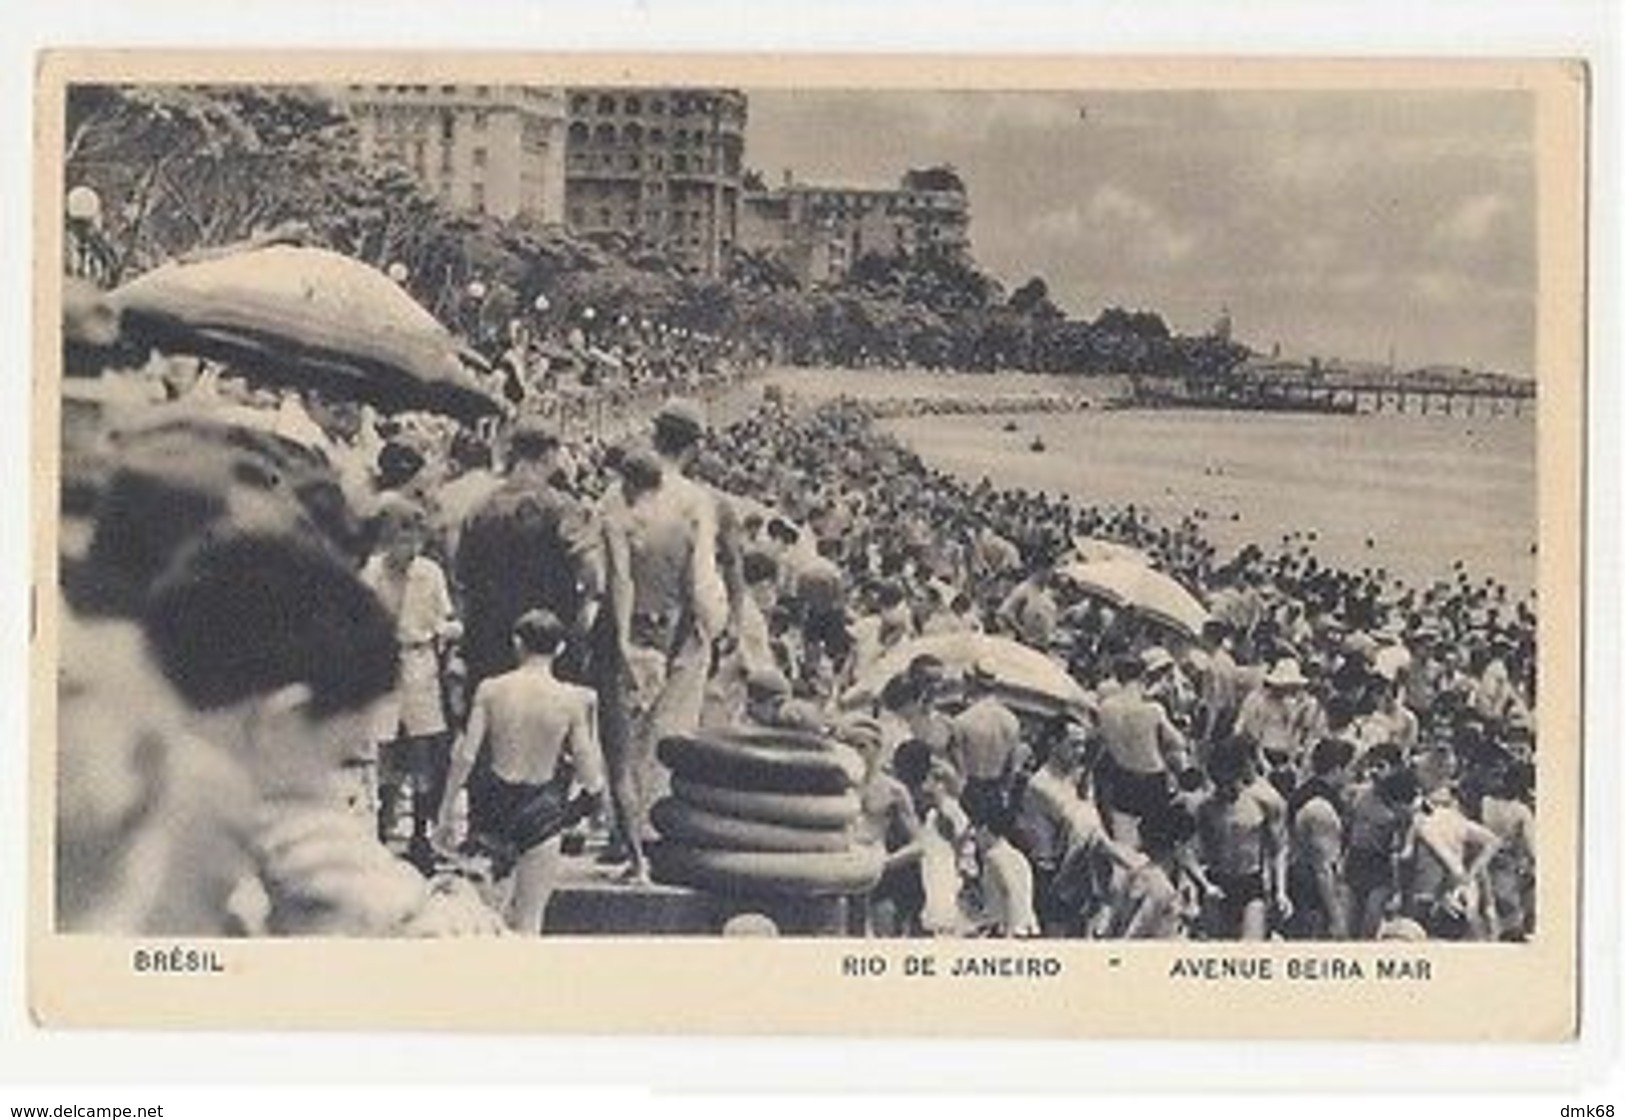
[(325, 640)]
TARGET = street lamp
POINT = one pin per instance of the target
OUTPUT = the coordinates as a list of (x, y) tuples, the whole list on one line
[(83, 207), (540, 305), (397, 272), (476, 289)]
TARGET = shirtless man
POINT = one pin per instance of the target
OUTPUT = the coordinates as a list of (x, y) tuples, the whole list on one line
[(1242, 837), (1452, 854), (1147, 905), (985, 744), (542, 733), (659, 537), (1143, 750), (887, 818), (1063, 836), (1378, 820), (1316, 812)]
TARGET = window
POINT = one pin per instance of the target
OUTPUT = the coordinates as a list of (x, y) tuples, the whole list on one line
[(448, 126), (657, 107), (634, 105), (579, 133), (481, 158), (657, 136), (632, 133), (606, 104), (679, 163), (577, 216), (603, 216), (478, 194), (632, 217), (482, 91), (579, 104), (604, 134), (480, 120), (632, 163)]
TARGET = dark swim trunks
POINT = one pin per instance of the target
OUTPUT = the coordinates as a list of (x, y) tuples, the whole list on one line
[(1365, 870), (984, 799), (1136, 794), (1239, 892), (519, 816)]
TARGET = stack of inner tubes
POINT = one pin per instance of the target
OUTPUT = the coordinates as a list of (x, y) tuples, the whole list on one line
[(763, 812)]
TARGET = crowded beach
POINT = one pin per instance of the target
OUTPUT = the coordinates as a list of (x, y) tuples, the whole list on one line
[(347, 656)]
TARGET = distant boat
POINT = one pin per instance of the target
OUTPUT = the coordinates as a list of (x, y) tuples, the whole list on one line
[(1011, 426), (1037, 444)]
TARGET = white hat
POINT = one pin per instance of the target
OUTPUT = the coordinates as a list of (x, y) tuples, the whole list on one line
[(1156, 659), (1286, 673)]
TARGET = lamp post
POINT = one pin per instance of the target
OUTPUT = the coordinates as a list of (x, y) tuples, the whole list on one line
[(398, 272), (476, 292), (83, 207)]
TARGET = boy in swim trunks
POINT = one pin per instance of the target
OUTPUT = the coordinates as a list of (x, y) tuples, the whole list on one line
[(542, 733), (1241, 830)]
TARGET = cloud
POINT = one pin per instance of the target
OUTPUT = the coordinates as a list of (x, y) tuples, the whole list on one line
[(1118, 224), (1337, 221)]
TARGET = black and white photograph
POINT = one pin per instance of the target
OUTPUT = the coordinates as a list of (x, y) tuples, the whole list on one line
[(977, 522)]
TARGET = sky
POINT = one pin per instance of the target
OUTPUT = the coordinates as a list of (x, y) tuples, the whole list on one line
[(1338, 224)]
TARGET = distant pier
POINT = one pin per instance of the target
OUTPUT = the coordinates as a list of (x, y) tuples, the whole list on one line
[(1342, 396), (1422, 400)]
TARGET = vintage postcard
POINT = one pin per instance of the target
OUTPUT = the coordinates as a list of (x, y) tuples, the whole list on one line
[(1054, 548)]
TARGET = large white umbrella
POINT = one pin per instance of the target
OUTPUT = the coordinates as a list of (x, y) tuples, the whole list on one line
[(306, 317), (1135, 587), (1093, 550), (1024, 677)]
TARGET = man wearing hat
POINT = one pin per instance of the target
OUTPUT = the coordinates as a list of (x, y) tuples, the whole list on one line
[(1280, 718)]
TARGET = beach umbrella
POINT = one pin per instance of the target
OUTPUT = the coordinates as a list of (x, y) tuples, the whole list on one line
[(1142, 590), (1091, 550), (307, 318), (1025, 678)]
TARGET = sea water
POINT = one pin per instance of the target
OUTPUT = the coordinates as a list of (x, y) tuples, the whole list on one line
[(1409, 493)]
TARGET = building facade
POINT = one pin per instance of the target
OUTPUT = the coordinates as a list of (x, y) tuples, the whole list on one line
[(495, 150), (820, 230), (660, 167)]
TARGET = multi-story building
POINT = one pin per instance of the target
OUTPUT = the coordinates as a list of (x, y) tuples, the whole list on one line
[(492, 149), (659, 166), (820, 230)]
